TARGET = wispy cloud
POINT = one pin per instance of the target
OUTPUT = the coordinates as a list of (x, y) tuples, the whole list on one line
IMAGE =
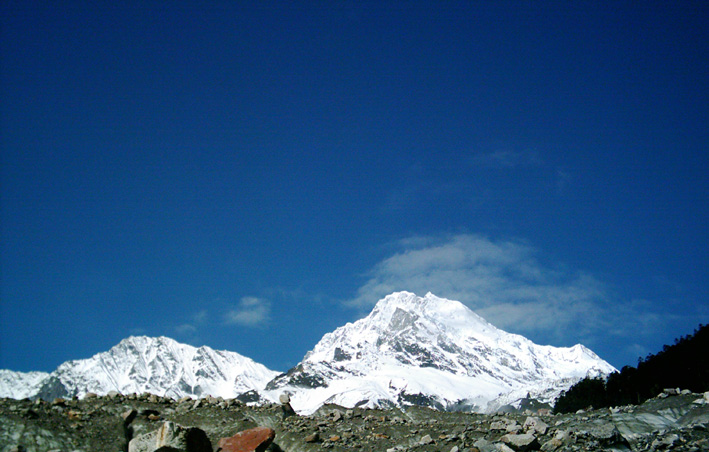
[(190, 328), (506, 283), (250, 311), (185, 329), (508, 158)]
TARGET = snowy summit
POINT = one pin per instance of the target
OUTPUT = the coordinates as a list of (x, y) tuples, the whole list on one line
[(413, 350), (139, 364)]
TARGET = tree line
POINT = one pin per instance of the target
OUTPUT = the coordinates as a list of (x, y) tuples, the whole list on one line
[(683, 365)]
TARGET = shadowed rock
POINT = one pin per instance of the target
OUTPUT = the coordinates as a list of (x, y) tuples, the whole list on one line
[(171, 437)]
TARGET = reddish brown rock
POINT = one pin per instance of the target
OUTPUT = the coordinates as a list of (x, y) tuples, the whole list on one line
[(252, 440)]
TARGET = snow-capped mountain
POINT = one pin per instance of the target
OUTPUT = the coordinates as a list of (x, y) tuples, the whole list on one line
[(20, 385), (409, 350), (431, 351), (159, 366)]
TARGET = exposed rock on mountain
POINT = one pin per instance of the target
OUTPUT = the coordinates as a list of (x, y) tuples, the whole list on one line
[(156, 365), (433, 352)]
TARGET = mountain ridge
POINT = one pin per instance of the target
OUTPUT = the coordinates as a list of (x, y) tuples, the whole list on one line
[(423, 350), (158, 365), (409, 350)]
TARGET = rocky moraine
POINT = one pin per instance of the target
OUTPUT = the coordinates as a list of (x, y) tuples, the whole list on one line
[(675, 420)]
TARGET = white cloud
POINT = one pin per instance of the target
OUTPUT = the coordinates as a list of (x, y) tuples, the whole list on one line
[(190, 328), (501, 280), (185, 328), (250, 311), (200, 317)]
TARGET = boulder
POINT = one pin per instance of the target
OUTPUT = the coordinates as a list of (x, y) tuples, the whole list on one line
[(552, 444), (665, 442), (287, 410), (502, 424), (253, 440), (602, 431), (526, 441), (312, 438), (129, 416), (172, 437), (535, 425)]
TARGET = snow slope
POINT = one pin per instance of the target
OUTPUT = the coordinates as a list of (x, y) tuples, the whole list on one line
[(430, 351), (20, 385), (159, 366)]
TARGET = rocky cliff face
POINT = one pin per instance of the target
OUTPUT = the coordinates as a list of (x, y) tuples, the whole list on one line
[(435, 352), (676, 421)]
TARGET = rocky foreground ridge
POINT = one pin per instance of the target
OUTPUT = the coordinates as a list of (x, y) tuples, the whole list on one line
[(675, 420)]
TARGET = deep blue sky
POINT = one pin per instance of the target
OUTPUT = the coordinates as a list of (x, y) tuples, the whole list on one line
[(251, 177)]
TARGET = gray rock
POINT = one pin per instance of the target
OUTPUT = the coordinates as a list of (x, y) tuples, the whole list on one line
[(129, 416), (174, 438), (535, 425), (523, 442), (552, 444), (502, 424), (113, 394), (482, 444), (284, 398), (312, 438), (665, 442), (426, 439), (513, 428), (287, 410)]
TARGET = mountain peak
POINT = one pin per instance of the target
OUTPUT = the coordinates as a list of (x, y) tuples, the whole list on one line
[(437, 312), (411, 349), (158, 365)]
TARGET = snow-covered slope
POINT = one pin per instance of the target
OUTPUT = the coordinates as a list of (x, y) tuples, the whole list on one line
[(431, 351), (159, 366), (20, 385)]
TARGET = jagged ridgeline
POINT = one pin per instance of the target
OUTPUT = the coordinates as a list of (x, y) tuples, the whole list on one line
[(409, 351), (682, 365)]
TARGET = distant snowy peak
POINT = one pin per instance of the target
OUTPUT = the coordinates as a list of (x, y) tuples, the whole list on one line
[(403, 314), (162, 366), (433, 351), (142, 364), (20, 385), (435, 332)]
